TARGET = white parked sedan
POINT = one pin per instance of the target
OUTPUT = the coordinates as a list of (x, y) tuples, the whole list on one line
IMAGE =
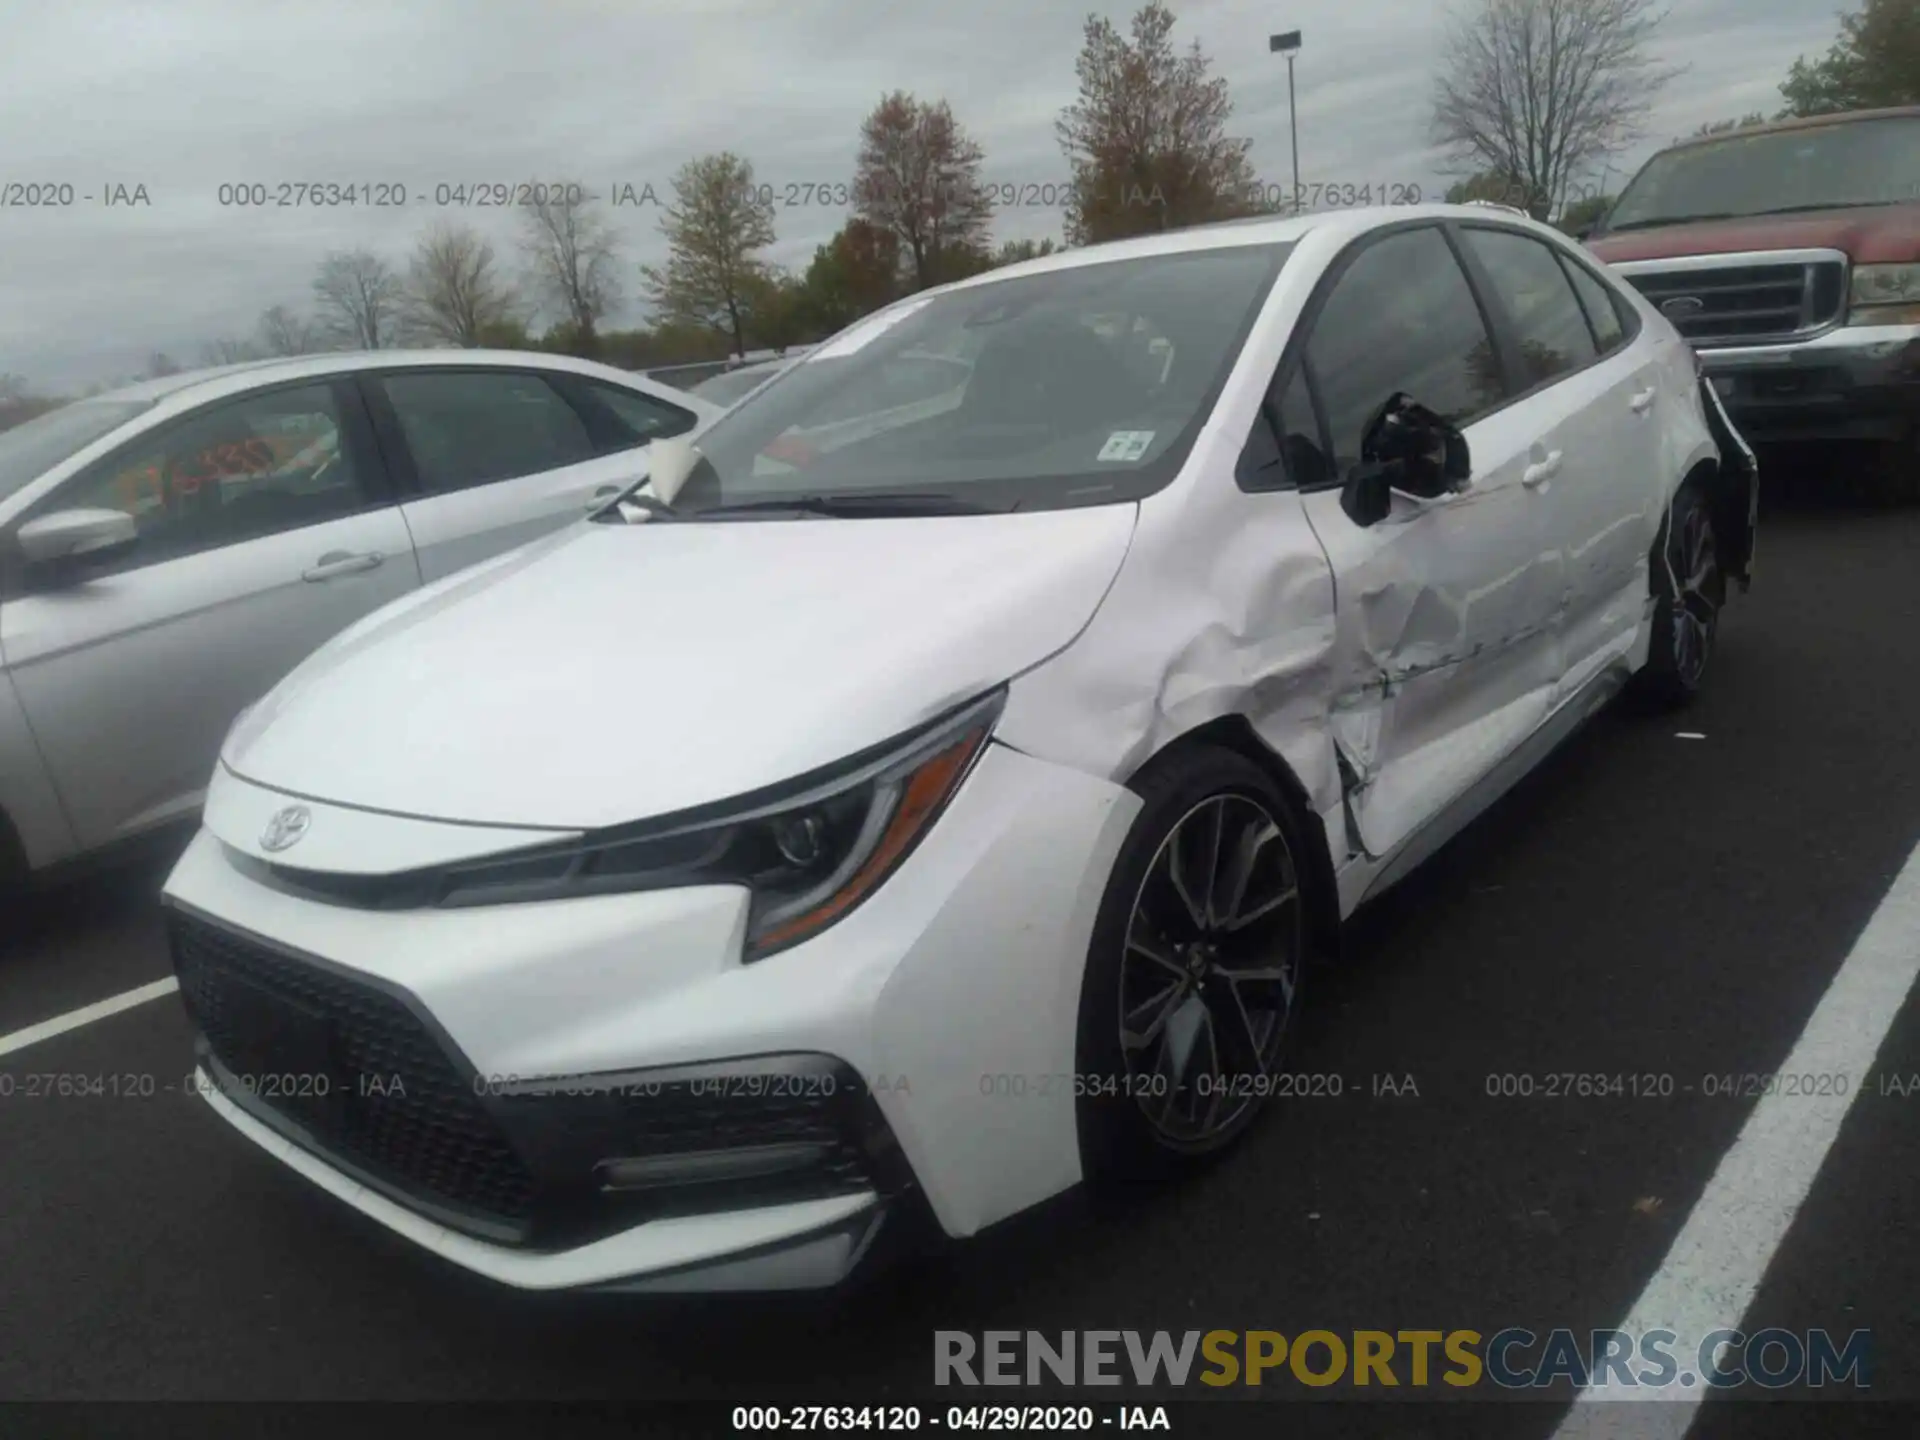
[(948, 818), (170, 550)]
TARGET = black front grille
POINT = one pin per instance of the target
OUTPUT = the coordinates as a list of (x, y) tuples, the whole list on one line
[(352, 1067), (354, 1071), (1746, 304)]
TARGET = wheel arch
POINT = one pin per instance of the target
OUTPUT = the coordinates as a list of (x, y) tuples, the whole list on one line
[(1235, 733)]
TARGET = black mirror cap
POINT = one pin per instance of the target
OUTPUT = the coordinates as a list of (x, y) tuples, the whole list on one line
[(1429, 450), (1368, 494)]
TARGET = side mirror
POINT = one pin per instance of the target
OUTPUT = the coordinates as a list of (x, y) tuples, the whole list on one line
[(1367, 497), (71, 540), (1409, 448)]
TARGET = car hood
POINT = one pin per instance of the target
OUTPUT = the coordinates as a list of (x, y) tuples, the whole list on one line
[(619, 672), (1871, 235)]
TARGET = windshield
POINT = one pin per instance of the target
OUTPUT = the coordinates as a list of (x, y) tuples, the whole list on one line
[(1074, 387), (30, 450), (1861, 162), (734, 384)]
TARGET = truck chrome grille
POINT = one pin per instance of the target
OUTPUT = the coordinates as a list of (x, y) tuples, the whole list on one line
[(1743, 304)]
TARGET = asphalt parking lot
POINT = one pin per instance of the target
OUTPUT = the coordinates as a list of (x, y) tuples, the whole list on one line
[(1647, 904)]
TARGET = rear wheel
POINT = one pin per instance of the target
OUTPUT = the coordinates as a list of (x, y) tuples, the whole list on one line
[(1194, 971), (1689, 589)]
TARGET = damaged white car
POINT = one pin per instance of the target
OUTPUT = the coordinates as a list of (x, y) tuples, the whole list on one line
[(929, 824)]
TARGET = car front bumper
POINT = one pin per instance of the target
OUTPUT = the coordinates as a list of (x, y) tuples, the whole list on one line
[(596, 1093), (1855, 382)]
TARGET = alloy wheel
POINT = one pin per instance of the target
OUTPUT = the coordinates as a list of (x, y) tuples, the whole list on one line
[(1213, 949), (1699, 592)]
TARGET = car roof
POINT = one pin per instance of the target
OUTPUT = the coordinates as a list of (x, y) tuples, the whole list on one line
[(1803, 122), (1336, 225), (190, 387)]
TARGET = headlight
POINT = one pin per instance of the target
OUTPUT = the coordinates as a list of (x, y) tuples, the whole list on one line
[(1880, 292), (809, 855)]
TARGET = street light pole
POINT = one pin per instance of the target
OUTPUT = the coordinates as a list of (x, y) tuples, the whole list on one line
[(1289, 46)]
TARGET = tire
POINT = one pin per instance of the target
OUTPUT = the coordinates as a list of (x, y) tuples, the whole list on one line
[(13, 861), (1140, 1114), (1689, 589)]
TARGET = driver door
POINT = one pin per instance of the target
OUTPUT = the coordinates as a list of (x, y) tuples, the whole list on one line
[(1446, 655), (264, 528)]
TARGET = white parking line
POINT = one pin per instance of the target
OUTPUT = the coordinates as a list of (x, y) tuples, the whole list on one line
[(86, 1015), (1716, 1263)]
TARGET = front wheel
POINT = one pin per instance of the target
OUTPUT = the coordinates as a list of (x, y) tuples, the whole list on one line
[(1194, 969), (1689, 589)]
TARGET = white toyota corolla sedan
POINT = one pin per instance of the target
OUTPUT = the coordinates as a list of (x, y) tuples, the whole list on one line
[(943, 818)]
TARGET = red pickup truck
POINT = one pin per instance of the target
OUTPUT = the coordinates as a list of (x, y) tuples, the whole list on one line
[(1789, 255)]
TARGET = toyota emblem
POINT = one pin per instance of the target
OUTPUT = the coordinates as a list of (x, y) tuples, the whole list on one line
[(285, 828), (1682, 306)]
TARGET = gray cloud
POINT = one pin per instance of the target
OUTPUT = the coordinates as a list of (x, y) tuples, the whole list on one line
[(184, 97)]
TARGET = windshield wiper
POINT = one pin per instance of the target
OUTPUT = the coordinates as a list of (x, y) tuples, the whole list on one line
[(856, 506)]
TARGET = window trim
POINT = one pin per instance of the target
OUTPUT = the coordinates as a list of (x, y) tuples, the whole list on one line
[(399, 454), (356, 430), (1295, 354)]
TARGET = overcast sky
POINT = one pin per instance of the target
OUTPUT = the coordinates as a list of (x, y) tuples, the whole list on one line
[(183, 96)]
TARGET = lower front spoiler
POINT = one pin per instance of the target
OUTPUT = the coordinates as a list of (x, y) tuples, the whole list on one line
[(805, 1245)]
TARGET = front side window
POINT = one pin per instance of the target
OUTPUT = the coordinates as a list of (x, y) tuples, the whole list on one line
[(1079, 386), (30, 449), (235, 471), (1540, 302), (474, 427), (1402, 318)]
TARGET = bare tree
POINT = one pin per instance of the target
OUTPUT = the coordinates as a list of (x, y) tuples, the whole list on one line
[(1542, 89), (359, 298), (284, 333), (227, 352), (571, 251), (455, 293), (719, 218), (918, 177)]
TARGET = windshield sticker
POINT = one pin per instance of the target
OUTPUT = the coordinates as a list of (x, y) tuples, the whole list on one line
[(1126, 445), (862, 335)]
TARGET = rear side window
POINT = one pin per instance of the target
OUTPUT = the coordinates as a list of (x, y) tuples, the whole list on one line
[(475, 427), (1547, 316), (639, 419), (1402, 318), (1603, 310)]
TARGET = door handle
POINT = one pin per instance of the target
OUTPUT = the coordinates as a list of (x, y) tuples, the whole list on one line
[(342, 562), (1541, 471), (602, 495), (1643, 402)]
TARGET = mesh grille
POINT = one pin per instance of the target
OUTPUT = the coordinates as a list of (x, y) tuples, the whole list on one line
[(353, 1066)]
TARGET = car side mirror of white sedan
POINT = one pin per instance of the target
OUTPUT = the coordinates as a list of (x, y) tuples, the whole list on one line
[(71, 540)]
